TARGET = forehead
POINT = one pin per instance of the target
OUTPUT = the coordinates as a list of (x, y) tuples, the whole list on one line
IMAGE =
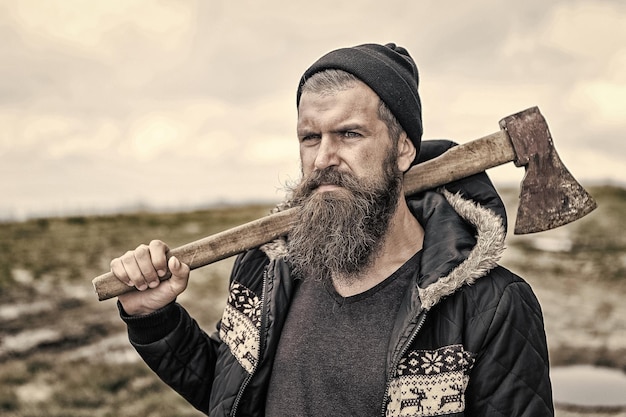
[(356, 102)]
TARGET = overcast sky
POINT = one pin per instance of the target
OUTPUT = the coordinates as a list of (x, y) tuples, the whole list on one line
[(105, 104)]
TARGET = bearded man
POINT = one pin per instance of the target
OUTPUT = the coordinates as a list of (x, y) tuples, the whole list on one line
[(374, 304)]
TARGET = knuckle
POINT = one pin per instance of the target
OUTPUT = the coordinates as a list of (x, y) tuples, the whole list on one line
[(127, 258), (158, 244)]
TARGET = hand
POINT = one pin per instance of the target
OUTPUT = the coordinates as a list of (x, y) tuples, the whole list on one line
[(142, 268)]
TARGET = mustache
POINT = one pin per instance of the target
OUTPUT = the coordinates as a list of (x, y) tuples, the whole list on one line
[(327, 176)]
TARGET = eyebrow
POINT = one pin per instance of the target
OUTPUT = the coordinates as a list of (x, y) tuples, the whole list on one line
[(305, 131), (348, 126), (351, 126)]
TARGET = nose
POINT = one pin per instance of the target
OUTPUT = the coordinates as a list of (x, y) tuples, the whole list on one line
[(327, 154)]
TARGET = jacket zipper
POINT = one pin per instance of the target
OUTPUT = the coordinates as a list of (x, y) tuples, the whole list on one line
[(394, 363), (245, 383)]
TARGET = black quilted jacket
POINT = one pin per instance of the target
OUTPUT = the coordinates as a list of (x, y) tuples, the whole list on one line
[(469, 339)]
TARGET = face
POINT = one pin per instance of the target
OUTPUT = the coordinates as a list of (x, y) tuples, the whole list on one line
[(351, 185), (343, 131)]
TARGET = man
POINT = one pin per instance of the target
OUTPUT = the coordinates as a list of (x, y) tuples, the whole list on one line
[(374, 304)]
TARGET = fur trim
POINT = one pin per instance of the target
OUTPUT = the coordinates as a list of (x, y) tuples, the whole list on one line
[(483, 257), (275, 249)]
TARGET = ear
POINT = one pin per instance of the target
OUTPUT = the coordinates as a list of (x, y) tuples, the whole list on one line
[(406, 152)]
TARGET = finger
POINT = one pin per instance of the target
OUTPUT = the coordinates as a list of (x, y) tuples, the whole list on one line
[(178, 268), (118, 270), (133, 271), (158, 252), (143, 257), (180, 275)]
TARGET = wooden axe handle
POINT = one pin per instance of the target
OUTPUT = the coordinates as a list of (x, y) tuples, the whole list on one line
[(457, 162), (211, 248), (460, 162)]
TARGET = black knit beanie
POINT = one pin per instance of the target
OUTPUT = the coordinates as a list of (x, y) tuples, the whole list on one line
[(390, 71)]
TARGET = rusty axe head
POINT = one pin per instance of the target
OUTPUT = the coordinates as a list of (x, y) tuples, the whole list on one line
[(550, 196)]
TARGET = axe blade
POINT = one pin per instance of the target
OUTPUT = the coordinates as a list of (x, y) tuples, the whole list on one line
[(549, 195)]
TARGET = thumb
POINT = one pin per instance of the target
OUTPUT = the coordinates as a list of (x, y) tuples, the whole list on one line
[(177, 268), (180, 275)]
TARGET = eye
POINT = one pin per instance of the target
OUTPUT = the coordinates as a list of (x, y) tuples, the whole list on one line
[(309, 138), (351, 134)]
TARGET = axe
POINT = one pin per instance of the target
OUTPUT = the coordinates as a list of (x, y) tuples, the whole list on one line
[(549, 196)]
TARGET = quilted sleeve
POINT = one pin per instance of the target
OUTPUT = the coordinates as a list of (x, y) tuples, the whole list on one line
[(511, 373), (184, 358), (174, 346)]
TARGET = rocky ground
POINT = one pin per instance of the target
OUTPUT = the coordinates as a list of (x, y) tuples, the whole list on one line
[(63, 353)]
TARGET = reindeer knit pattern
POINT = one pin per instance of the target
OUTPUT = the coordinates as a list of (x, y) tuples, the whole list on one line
[(240, 326), (430, 383)]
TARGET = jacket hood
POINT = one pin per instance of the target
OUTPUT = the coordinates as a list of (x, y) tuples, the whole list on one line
[(463, 242)]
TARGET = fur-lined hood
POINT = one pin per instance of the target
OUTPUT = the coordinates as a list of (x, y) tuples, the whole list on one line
[(463, 242)]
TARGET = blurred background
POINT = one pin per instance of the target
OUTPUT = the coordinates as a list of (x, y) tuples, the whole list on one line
[(124, 121)]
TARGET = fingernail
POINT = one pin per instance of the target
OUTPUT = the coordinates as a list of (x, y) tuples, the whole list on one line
[(153, 284), (161, 273), (142, 287)]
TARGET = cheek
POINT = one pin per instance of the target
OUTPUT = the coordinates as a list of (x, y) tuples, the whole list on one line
[(369, 161), (372, 162), (307, 160)]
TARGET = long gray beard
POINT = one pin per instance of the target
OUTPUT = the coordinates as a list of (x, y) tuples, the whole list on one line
[(338, 233)]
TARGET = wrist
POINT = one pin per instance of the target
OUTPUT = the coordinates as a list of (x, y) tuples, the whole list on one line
[(148, 328), (133, 308)]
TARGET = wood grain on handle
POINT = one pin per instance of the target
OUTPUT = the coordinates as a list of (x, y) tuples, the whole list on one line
[(211, 248), (457, 162)]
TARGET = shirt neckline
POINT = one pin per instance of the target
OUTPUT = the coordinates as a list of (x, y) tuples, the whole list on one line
[(412, 262)]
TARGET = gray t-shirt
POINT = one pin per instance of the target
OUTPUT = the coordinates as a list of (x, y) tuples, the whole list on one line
[(332, 353)]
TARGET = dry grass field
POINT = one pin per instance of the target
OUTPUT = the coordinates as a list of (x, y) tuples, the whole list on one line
[(63, 353)]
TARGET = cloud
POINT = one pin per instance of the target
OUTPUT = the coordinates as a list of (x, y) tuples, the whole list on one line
[(103, 29), (593, 31), (171, 102), (604, 100)]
